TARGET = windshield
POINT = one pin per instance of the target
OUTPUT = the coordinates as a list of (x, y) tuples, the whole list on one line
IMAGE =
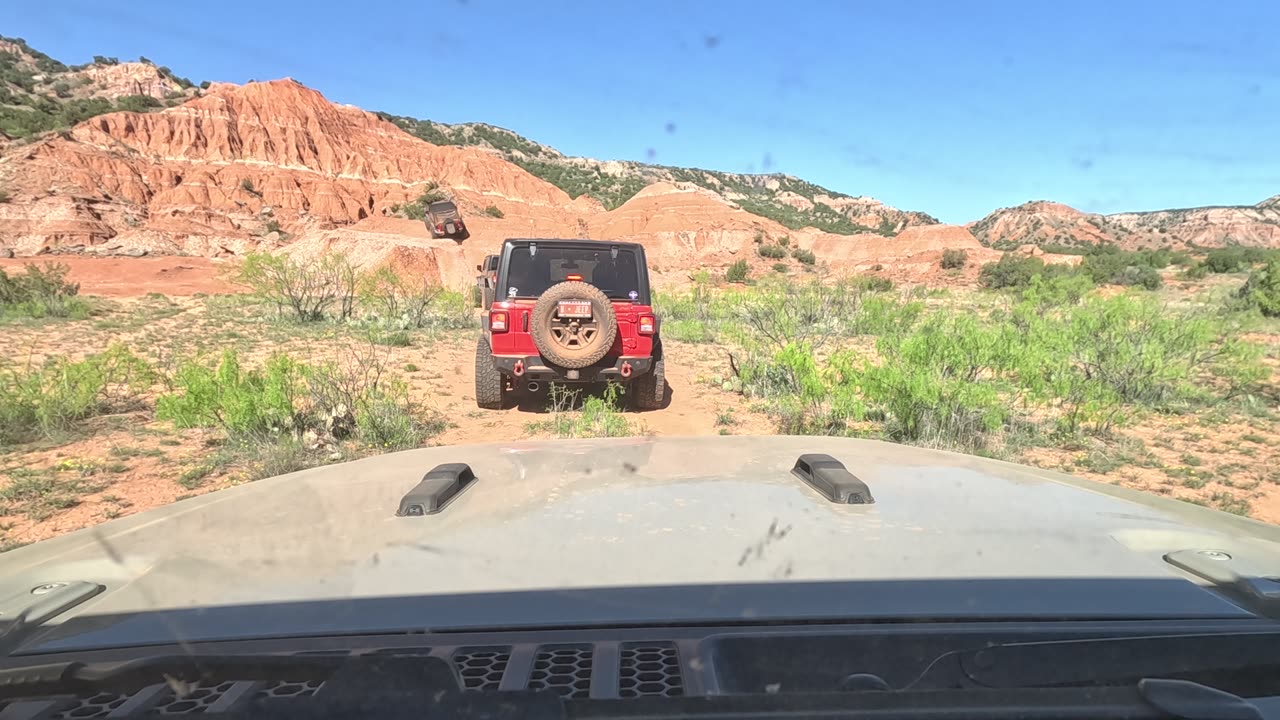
[(530, 274), (903, 311)]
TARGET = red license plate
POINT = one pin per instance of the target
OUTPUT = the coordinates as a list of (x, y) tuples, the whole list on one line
[(574, 309)]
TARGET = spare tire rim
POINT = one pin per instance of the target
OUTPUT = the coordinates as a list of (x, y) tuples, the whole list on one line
[(574, 333)]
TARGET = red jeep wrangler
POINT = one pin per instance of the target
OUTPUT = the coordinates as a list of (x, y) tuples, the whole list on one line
[(570, 311)]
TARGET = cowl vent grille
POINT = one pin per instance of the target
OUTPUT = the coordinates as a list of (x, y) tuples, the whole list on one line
[(649, 670), (565, 669), (482, 668)]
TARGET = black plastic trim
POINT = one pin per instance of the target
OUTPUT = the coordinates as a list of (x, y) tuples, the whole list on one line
[(829, 476), (438, 488)]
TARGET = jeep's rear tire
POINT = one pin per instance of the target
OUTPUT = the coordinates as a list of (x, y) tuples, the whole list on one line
[(572, 343), (489, 385), (650, 389)]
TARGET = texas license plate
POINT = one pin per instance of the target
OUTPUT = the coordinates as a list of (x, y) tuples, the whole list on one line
[(449, 227), (574, 309)]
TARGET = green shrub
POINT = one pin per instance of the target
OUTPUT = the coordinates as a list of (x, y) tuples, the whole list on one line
[(1262, 289), (954, 259), (1107, 264), (871, 283), (494, 211), (394, 296), (239, 401), (41, 292), (785, 240), (307, 291), (773, 252), (805, 257), (358, 400), (1013, 270), (595, 416), (737, 272), (1237, 259), (1194, 272), (42, 401), (247, 185), (780, 268)]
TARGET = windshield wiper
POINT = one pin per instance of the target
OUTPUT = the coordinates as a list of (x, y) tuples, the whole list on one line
[(1237, 662)]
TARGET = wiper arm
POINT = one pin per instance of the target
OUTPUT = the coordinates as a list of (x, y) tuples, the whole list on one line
[(1113, 661)]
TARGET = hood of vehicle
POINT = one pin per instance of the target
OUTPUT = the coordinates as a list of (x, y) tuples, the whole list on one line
[(632, 531)]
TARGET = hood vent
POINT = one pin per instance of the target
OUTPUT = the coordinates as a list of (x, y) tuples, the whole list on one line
[(438, 488), (829, 476)]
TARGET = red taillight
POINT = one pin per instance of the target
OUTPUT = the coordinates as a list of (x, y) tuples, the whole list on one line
[(573, 277), (647, 324), (439, 227), (498, 321)]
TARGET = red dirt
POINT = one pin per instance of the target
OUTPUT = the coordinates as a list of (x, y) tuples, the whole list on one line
[(132, 277)]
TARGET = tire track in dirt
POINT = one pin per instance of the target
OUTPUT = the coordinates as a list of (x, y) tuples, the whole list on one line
[(693, 408)]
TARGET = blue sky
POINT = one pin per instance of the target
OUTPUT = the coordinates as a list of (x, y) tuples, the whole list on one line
[(953, 108)]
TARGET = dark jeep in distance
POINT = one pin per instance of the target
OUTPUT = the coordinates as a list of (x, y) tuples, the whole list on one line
[(570, 311), (444, 220)]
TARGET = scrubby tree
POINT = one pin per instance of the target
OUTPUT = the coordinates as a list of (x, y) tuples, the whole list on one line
[(954, 259), (737, 272)]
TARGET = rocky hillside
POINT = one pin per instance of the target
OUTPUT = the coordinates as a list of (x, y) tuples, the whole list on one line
[(232, 170), (39, 94), (1054, 226), (790, 201)]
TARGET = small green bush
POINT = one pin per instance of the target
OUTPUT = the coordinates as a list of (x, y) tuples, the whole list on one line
[(42, 401), (247, 185), (785, 240), (780, 268), (805, 257), (597, 415), (737, 272), (773, 252), (41, 292), (494, 211), (954, 259), (1194, 272), (394, 296), (1013, 270), (1237, 259), (285, 399), (1262, 290)]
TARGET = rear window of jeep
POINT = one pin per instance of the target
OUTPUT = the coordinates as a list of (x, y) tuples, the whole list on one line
[(530, 274)]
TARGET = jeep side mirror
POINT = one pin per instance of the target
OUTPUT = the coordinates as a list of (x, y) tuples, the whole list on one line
[(479, 268)]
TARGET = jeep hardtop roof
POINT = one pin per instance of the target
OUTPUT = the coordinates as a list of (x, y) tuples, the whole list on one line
[(572, 242)]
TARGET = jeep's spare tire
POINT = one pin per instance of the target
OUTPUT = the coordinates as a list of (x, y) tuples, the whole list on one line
[(573, 324)]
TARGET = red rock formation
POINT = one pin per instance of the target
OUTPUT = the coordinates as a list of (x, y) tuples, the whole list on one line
[(213, 172), (1048, 223)]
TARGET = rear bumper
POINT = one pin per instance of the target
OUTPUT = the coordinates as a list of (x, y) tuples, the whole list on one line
[(537, 369)]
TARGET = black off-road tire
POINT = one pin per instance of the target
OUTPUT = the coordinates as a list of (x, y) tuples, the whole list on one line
[(489, 384), (543, 322), (649, 391)]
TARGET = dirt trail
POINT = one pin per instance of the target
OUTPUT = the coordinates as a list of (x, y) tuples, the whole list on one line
[(694, 408)]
